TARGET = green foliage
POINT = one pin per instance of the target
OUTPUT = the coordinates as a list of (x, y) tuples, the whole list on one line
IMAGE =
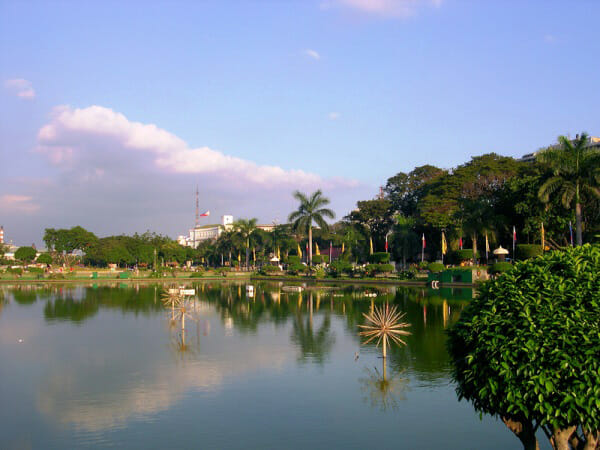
[(339, 267), (44, 258), (76, 238), (501, 267), (406, 275), (374, 217), (575, 173), (464, 255), (526, 251), (318, 259), (14, 270), (268, 269), (527, 347), (319, 272), (379, 258), (296, 268), (35, 270), (25, 254), (293, 259), (435, 267), (374, 269)]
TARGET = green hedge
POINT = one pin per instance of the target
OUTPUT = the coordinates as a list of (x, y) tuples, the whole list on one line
[(526, 251), (373, 269), (501, 267), (465, 254), (435, 267), (293, 259), (295, 269), (318, 259), (379, 258), (339, 267)]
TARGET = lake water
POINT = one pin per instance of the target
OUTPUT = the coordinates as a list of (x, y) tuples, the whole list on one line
[(106, 366)]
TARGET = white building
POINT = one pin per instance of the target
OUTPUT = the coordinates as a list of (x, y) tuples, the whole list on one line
[(205, 232), (592, 142)]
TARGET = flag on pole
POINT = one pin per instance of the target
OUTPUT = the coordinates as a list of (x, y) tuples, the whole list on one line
[(460, 243), (370, 245), (444, 244), (386, 244), (239, 257), (571, 232), (317, 252), (330, 250), (206, 214), (278, 254), (543, 238), (423, 239), (299, 251), (487, 246), (343, 247), (423, 248)]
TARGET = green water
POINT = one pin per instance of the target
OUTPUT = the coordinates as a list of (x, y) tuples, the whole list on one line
[(106, 366)]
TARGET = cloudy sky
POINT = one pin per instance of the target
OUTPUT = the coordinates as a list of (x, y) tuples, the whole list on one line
[(112, 112)]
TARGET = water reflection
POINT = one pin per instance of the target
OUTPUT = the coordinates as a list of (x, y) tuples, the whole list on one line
[(111, 367), (383, 390), (313, 342)]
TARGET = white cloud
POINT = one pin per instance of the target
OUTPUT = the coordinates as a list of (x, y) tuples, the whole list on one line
[(113, 175), (333, 115), (312, 54), (91, 139), (384, 8), (18, 203), (20, 87)]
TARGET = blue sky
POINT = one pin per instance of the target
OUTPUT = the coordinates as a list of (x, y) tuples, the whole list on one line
[(112, 112)]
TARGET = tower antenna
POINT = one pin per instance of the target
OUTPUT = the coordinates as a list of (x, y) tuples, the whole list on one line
[(197, 210)]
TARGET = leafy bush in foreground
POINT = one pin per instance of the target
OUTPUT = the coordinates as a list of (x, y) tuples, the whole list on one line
[(526, 349)]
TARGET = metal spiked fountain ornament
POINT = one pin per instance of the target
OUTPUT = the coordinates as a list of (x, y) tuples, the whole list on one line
[(384, 324)]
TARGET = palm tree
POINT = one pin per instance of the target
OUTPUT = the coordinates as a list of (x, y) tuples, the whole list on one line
[(576, 170), (245, 228), (310, 210)]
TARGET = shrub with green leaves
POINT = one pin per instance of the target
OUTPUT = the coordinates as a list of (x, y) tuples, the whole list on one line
[(293, 259), (527, 348), (339, 267), (526, 251), (295, 269), (435, 267), (318, 259), (379, 258), (464, 254), (374, 269), (501, 267), (268, 269), (25, 254), (44, 258)]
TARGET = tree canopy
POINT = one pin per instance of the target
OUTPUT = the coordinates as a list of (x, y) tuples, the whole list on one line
[(526, 349)]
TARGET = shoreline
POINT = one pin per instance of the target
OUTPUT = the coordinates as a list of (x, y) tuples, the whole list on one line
[(242, 277)]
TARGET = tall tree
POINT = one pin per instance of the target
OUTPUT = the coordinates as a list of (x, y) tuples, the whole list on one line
[(311, 209), (404, 190), (576, 170), (375, 217), (245, 228)]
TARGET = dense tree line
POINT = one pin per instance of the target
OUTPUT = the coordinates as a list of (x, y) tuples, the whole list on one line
[(481, 199)]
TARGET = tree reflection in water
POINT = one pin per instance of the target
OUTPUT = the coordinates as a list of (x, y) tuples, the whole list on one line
[(314, 344), (381, 390)]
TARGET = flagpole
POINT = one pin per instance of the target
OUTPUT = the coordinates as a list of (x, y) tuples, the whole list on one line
[(423, 249)]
